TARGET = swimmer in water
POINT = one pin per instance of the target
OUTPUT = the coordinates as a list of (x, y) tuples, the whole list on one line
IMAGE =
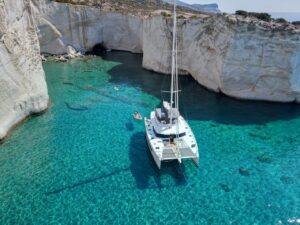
[(137, 116)]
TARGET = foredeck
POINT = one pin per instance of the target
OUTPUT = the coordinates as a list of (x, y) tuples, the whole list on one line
[(169, 153), (178, 150)]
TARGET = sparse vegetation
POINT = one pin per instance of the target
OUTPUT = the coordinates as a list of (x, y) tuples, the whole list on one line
[(134, 6), (165, 14), (281, 20), (261, 16), (181, 17), (296, 23), (194, 17), (241, 13)]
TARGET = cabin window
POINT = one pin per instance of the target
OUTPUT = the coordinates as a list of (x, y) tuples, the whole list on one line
[(167, 136)]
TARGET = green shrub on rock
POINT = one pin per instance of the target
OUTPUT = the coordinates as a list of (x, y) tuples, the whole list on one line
[(261, 16), (241, 13), (281, 20), (296, 23)]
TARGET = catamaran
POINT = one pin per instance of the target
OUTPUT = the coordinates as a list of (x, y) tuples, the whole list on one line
[(168, 135)]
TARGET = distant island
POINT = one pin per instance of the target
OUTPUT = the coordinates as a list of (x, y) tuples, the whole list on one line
[(209, 8), (289, 16)]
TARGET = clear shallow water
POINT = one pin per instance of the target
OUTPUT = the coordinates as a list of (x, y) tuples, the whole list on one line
[(85, 161)]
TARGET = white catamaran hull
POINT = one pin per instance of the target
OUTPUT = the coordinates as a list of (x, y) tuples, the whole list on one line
[(156, 159), (162, 150)]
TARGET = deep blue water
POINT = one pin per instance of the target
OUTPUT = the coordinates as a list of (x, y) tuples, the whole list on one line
[(85, 161)]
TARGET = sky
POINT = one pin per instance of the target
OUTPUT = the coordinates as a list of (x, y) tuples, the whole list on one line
[(253, 5)]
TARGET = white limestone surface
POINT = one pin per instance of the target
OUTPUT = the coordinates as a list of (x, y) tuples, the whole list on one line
[(241, 57), (23, 89), (82, 27)]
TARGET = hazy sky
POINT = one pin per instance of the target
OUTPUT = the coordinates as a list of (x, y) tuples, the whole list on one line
[(253, 5)]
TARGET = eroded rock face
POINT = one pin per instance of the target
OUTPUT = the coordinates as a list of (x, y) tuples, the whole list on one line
[(82, 27), (240, 57), (23, 89)]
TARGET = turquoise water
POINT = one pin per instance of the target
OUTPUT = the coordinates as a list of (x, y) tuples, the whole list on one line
[(85, 161)]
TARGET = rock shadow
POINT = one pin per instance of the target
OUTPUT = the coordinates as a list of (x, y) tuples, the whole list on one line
[(129, 125), (197, 103), (144, 169)]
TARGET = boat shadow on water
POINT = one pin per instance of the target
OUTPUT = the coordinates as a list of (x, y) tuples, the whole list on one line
[(198, 103), (144, 169)]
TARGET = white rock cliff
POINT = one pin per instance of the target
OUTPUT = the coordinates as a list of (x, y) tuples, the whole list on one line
[(82, 27), (243, 58), (23, 89)]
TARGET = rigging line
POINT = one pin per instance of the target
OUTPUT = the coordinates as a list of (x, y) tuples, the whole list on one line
[(177, 77), (173, 62), (179, 64), (177, 93), (174, 84), (164, 76)]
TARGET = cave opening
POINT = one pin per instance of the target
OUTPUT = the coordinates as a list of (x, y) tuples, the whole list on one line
[(98, 49)]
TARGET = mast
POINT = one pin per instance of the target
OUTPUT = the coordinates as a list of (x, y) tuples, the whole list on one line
[(174, 73)]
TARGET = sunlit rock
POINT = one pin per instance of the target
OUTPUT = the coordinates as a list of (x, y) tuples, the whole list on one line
[(23, 89)]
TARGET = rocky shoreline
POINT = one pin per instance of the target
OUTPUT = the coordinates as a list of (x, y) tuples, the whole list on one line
[(244, 58)]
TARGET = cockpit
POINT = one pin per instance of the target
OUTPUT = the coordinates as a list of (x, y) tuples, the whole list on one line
[(163, 114)]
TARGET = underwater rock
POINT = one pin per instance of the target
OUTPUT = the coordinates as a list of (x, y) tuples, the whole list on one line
[(244, 172), (68, 83), (286, 179), (291, 139), (123, 99), (88, 88), (129, 126), (213, 125), (76, 108), (95, 99), (224, 187), (264, 159), (260, 136)]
